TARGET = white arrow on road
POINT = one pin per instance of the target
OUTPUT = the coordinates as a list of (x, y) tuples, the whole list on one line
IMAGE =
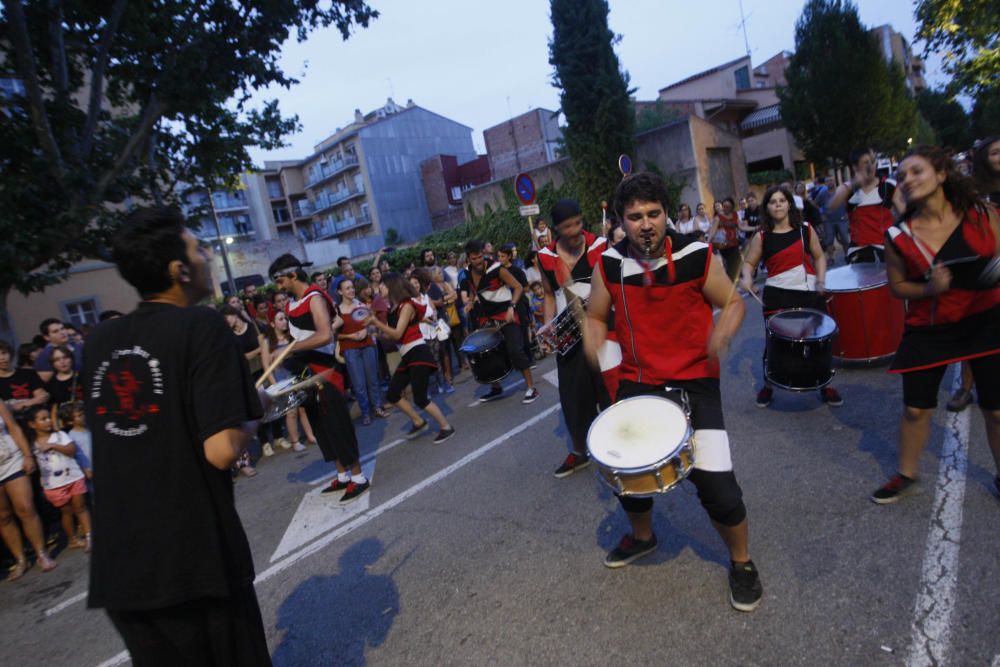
[(318, 514)]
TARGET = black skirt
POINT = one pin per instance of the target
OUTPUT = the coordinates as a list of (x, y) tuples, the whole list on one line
[(940, 344)]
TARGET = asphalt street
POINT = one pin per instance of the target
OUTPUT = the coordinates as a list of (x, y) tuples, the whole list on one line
[(471, 553)]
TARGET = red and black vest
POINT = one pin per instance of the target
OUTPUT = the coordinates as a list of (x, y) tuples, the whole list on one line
[(555, 271), (492, 293), (869, 215), (661, 316), (301, 326), (972, 238), (787, 259), (412, 336)]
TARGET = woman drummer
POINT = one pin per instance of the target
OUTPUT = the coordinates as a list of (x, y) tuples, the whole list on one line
[(950, 316), (417, 364), (796, 269)]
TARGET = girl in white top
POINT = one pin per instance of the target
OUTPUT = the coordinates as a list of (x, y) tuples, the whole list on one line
[(16, 464), (63, 481), (685, 223), (701, 221)]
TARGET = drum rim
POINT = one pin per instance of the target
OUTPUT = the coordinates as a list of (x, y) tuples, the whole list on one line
[(848, 268), (682, 474), (767, 328), (494, 330), (770, 380), (688, 435)]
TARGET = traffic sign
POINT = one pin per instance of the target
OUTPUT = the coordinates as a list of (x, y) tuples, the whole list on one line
[(524, 188), (625, 164), (531, 209)]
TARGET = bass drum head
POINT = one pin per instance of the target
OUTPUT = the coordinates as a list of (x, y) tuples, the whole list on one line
[(280, 386), (481, 341), (801, 324), (637, 432), (856, 277)]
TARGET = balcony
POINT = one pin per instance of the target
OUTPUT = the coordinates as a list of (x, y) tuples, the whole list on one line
[(329, 227), (226, 202), (303, 208), (328, 200), (322, 172)]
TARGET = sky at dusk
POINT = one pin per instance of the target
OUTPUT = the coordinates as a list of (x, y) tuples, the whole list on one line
[(479, 62)]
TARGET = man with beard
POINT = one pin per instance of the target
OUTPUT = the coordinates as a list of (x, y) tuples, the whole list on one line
[(665, 287)]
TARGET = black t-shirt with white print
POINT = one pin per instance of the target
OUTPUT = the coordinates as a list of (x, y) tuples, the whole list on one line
[(157, 383)]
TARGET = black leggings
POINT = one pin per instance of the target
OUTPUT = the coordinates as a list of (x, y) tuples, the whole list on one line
[(331, 423), (582, 394), (415, 369)]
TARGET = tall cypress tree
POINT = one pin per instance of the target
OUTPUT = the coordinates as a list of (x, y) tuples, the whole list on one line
[(600, 123), (841, 92)]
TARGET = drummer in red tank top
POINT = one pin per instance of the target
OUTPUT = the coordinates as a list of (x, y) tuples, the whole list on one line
[(663, 288), (938, 258), (796, 268)]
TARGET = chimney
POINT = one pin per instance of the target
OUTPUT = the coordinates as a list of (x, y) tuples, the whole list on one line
[(358, 117)]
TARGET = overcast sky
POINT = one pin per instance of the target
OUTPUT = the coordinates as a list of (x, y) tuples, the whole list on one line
[(480, 62)]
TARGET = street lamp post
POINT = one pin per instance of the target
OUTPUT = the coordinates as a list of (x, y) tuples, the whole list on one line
[(222, 246)]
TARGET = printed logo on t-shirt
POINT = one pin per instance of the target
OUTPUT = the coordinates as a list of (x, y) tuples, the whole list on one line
[(20, 391), (126, 389)]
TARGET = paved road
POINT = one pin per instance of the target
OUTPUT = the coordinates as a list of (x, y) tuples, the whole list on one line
[(472, 553)]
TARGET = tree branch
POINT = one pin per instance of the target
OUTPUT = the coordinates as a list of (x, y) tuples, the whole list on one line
[(97, 79), (155, 109), (26, 68), (57, 49)]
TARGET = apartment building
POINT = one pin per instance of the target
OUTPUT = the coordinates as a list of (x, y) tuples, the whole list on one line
[(523, 143)]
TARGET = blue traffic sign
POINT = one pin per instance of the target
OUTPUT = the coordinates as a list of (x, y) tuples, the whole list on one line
[(524, 188)]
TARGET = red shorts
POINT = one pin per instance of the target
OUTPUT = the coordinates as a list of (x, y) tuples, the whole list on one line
[(62, 495)]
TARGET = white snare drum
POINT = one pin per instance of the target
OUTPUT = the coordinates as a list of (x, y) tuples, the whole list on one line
[(642, 445), (277, 400)]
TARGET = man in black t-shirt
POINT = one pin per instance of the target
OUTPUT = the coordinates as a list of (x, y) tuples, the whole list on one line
[(506, 256), (171, 404)]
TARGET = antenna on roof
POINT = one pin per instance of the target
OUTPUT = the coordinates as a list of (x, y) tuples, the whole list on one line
[(743, 25)]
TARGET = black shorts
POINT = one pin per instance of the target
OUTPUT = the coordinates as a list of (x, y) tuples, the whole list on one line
[(920, 388)]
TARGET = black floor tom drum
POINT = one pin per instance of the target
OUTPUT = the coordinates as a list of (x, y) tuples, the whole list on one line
[(487, 355), (799, 352)]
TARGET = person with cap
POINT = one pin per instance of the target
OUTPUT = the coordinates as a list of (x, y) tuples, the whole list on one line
[(567, 265), (494, 290), (311, 321)]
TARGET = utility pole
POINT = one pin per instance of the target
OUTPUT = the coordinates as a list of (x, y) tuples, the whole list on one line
[(222, 245)]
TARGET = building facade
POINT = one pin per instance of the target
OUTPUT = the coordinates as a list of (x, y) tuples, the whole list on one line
[(523, 143)]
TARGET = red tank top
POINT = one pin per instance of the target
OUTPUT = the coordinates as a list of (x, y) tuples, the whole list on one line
[(352, 326)]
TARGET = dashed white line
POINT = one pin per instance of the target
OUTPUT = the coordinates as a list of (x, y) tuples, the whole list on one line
[(936, 594), (375, 512), (66, 603)]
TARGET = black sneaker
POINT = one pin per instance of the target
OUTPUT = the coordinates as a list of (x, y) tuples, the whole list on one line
[(745, 590), (572, 463), (336, 486), (960, 400), (894, 489), (443, 435), (354, 491), (530, 396), (628, 550), (491, 395), (764, 397), (416, 430)]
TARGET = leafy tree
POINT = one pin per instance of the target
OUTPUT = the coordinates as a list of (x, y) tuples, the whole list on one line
[(986, 114), (841, 93), (948, 118), (600, 122), (123, 100), (968, 32), (650, 117)]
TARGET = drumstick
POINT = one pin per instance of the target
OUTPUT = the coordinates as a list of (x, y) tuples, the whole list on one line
[(305, 384), (274, 364)]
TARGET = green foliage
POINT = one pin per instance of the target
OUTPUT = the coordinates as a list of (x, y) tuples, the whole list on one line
[(123, 101), (986, 114), (657, 115), (946, 117), (841, 93), (967, 33), (392, 236), (769, 177), (594, 97), (675, 183)]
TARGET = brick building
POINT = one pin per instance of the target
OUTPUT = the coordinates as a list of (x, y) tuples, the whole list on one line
[(522, 143)]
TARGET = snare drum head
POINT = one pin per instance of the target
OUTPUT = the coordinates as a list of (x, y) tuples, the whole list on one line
[(360, 313), (278, 387), (482, 340), (801, 324), (637, 432), (856, 277)]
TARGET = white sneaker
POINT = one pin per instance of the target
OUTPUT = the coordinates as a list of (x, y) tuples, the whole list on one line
[(530, 395), (298, 446), (268, 449), (283, 443)]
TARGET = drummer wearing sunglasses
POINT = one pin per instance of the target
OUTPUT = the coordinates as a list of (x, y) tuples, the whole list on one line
[(663, 287)]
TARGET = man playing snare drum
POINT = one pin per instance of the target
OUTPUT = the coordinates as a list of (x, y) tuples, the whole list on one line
[(663, 288)]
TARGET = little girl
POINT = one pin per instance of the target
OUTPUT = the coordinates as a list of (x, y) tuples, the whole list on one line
[(62, 480), (73, 420)]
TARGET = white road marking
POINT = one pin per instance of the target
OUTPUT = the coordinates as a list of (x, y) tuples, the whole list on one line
[(318, 514), (505, 387), (996, 660), (66, 603), (552, 376), (936, 594), (375, 512)]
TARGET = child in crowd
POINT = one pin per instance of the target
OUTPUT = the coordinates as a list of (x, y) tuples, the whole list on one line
[(73, 421), (63, 481), (537, 304)]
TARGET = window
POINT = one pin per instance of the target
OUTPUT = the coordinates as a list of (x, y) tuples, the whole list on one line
[(274, 189), (456, 193), (742, 78), (280, 214), (10, 86), (81, 312)]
